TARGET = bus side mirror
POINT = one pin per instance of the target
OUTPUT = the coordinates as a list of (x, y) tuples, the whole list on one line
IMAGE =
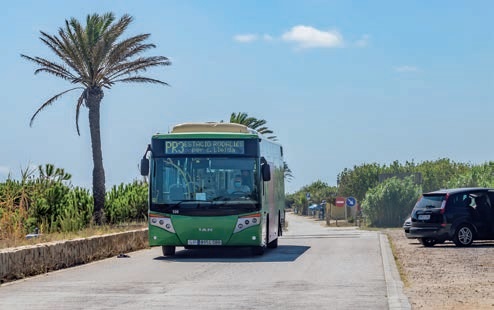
[(266, 172), (144, 166)]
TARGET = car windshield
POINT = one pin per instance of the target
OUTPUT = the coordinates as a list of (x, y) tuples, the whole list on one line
[(202, 179), (430, 201)]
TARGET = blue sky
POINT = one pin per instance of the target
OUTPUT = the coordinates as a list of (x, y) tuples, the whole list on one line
[(340, 82)]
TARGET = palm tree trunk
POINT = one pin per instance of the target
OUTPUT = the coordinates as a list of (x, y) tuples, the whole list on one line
[(93, 101)]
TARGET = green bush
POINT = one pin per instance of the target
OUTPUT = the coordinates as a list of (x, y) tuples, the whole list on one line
[(126, 203), (78, 211), (390, 202)]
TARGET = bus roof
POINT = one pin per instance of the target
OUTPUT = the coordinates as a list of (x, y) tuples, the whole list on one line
[(209, 130), (211, 127)]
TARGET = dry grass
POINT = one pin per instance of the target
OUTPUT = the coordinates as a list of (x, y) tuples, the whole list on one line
[(399, 264), (88, 232)]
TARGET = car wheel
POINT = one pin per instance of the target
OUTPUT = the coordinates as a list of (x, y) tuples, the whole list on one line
[(463, 235), (427, 242)]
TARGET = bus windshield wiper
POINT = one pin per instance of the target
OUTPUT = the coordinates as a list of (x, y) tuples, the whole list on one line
[(221, 198), (188, 200)]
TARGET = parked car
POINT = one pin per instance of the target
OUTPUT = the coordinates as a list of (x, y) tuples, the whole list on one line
[(461, 215), (406, 227), (315, 207)]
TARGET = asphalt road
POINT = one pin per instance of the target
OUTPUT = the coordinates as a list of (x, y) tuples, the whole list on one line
[(314, 267)]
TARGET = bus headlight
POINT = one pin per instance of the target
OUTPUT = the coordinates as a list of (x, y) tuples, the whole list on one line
[(247, 221), (161, 222)]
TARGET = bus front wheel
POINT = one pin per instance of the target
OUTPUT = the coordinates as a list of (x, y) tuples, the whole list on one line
[(168, 250)]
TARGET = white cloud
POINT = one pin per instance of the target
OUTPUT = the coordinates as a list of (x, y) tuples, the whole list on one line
[(245, 38), (406, 69), (363, 41), (309, 37), (267, 37)]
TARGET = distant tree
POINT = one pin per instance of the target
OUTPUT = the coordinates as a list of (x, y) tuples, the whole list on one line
[(318, 190), (479, 175), (95, 57), (357, 181), (436, 174)]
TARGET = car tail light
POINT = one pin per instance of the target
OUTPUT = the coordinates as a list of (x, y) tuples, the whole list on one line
[(443, 204)]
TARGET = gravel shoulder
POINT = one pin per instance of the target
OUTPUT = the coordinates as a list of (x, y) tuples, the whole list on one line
[(445, 276)]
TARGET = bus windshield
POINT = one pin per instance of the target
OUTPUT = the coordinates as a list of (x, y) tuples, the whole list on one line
[(178, 180)]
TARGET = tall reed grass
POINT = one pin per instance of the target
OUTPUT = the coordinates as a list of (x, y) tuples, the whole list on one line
[(44, 198)]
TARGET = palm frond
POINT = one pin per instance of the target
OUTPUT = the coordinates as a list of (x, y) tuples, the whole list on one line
[(128, 48), (49, 102), (253, 123), (74, 55), (118, 28), (257, 123), (73, 40), (64, 49), (136, 66), (54, 68), (53, 72), (80, 101), (239, 118), (140, 79), (56, 46)]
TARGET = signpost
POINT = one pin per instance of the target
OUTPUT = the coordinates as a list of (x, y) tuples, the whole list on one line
[(340, 201), (346, 202), (351, 202)]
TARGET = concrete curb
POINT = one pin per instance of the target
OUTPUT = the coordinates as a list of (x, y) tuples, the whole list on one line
[(396, 298)]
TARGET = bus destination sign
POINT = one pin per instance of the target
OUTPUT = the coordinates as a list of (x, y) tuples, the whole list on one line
[(204, 147)]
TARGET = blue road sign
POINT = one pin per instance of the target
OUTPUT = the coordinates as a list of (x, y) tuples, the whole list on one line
[(350, 201), (307, 195)]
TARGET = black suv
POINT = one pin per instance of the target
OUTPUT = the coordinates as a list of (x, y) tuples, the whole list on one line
[(460, 215)]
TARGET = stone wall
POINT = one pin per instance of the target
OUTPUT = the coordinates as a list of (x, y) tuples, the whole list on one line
[(16, 263)]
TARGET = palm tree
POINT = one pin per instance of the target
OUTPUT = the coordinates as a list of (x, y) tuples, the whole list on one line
[(95, 58), (259, 125), (252, 122)]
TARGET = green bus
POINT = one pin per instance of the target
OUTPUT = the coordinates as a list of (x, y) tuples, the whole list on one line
[(214, 185)]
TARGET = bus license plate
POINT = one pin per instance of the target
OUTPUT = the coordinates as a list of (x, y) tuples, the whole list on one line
[(204, 242), (424, 217)]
